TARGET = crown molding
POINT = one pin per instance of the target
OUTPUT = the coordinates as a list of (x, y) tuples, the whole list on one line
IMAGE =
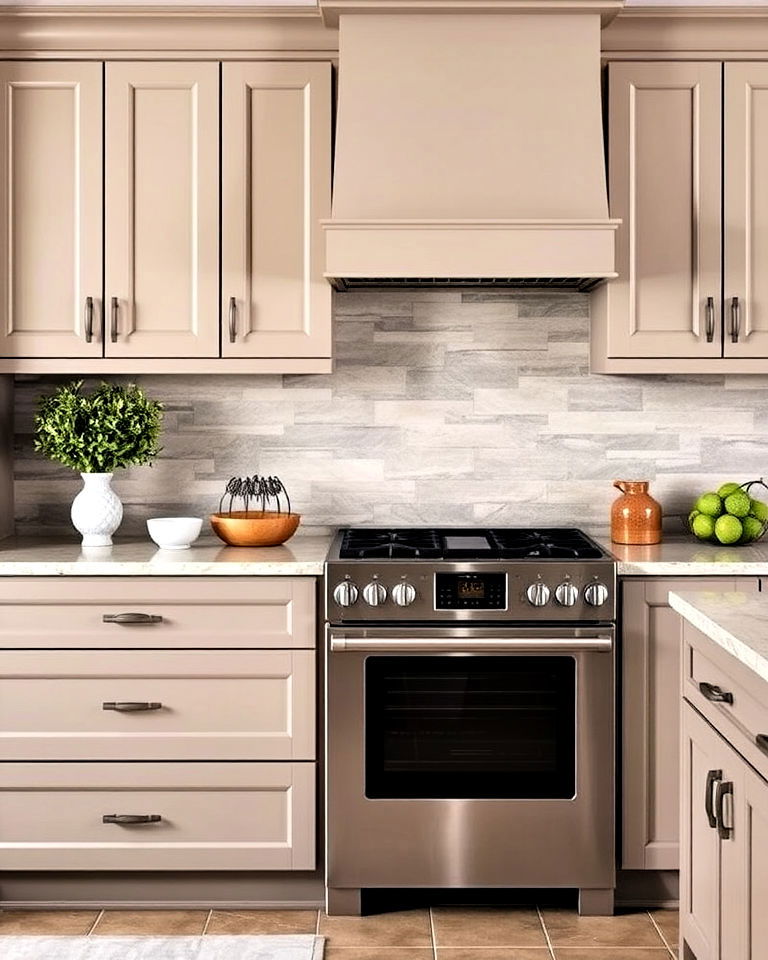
[(700, 32)]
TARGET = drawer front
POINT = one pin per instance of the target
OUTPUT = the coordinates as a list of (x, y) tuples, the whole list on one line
[(157, 704), (213, 816), (181, 612)]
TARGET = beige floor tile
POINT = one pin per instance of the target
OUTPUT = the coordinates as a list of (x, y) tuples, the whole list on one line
[(668, 921), (567, 929), (488, 927), (377, 953), (494, 953), (57, 923), (407, 928), (262, 921), (611, 953), (150, 923)]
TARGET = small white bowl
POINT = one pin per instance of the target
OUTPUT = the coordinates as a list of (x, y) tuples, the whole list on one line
[(174, 533)]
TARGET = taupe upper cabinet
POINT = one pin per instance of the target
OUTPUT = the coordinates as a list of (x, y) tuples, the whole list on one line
[(688, 175), (276, 186), (50, 208), (178, 234), (162, 211)]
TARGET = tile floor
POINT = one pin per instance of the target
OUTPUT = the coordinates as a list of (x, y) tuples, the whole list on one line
[(440, 933)]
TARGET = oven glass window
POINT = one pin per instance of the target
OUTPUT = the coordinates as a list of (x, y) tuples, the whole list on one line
[(470, 727)]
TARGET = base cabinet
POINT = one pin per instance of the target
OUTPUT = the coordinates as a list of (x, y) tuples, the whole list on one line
[(184, 742), (651, 633)]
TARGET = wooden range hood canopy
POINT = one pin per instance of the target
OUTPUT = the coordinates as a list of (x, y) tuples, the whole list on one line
[(469, 144)]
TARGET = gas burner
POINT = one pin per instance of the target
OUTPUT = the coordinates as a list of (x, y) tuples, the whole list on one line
[(365, 544), (545, 544)]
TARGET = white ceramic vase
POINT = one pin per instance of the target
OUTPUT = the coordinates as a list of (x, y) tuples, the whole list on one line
[(97, 510)]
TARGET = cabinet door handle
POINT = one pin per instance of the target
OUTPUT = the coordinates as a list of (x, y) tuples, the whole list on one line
[(735, 319), (713, 777), (724, 789), (115, 314), (128, 819), (232, 319), (714, 693), (88, 319), (131, 706), (130, 618), (762, 741), (710, 321)]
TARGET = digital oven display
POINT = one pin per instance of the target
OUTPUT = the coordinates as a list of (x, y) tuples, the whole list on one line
[(470, 591)]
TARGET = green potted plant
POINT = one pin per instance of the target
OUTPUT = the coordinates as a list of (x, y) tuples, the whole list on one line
[(97, 433)]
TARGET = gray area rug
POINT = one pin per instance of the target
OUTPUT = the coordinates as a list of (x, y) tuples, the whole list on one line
[(299, 947)]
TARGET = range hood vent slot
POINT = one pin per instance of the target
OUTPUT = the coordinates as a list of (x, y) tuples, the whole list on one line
[(575, 284)]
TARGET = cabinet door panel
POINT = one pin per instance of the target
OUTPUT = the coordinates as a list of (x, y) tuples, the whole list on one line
[(651, 638), (664, 159), (704, 753), (50, 206), (162, 223), (746, 208), (275, 189)]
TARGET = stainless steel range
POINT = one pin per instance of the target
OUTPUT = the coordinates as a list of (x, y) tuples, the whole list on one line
[(470, 712)]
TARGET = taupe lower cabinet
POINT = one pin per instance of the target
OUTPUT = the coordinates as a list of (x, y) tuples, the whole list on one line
[(723, 880), (688, 162), (120, 183), (184, 742), (650, 638)]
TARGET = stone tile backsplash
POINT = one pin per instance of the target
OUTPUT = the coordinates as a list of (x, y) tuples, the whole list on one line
[(445, 407)]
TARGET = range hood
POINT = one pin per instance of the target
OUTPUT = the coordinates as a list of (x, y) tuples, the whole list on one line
[(469, 144)]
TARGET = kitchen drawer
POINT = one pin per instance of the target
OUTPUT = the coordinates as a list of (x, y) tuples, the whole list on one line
[(214, 816), (205, 705), (742, 718), (237, 612)]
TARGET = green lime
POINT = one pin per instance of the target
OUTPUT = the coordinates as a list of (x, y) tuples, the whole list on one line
[(760, 510), (691, 517), (703, 526), (710, 504), (752, 529), (728, 488), (728, 529), (738, 504)]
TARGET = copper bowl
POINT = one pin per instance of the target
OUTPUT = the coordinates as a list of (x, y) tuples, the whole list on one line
[(254, 528)]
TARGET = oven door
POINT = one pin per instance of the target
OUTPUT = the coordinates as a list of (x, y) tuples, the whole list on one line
[(470, 756)]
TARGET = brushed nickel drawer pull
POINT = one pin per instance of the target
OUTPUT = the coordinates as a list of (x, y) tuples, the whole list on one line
[(131, 706), (710, 319), (128, 819), (232, 320), (129, 618), (714, 693), (88, 319), (735, 320)]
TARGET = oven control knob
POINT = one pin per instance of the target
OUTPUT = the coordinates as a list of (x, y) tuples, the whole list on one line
[(538, 594), (403, 593), (566, 594), (374, 593), (345, 593), (596, 594)]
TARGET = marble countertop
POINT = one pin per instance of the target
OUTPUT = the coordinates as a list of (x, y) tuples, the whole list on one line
[(681, 556), (738, 622), (302, 556)]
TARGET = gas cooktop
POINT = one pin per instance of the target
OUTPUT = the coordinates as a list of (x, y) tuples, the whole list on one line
[(449, 543)]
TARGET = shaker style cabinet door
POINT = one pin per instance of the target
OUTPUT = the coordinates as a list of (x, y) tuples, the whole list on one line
[(664, 161), (745, 303), (162, 212), (51, 209), (276, 187)]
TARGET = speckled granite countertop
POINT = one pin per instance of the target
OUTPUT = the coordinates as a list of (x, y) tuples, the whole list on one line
[(681, 556), (302, 556), (738, 622)]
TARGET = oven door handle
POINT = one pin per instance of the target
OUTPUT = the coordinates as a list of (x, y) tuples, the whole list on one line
[(342, 642)]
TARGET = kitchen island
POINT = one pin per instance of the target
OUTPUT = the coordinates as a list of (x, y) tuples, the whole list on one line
[(724, 783)]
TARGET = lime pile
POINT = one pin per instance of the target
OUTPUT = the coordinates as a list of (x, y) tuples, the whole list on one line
[(728, 516)]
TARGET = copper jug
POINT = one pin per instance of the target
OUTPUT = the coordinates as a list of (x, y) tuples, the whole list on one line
[(635, 515)]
